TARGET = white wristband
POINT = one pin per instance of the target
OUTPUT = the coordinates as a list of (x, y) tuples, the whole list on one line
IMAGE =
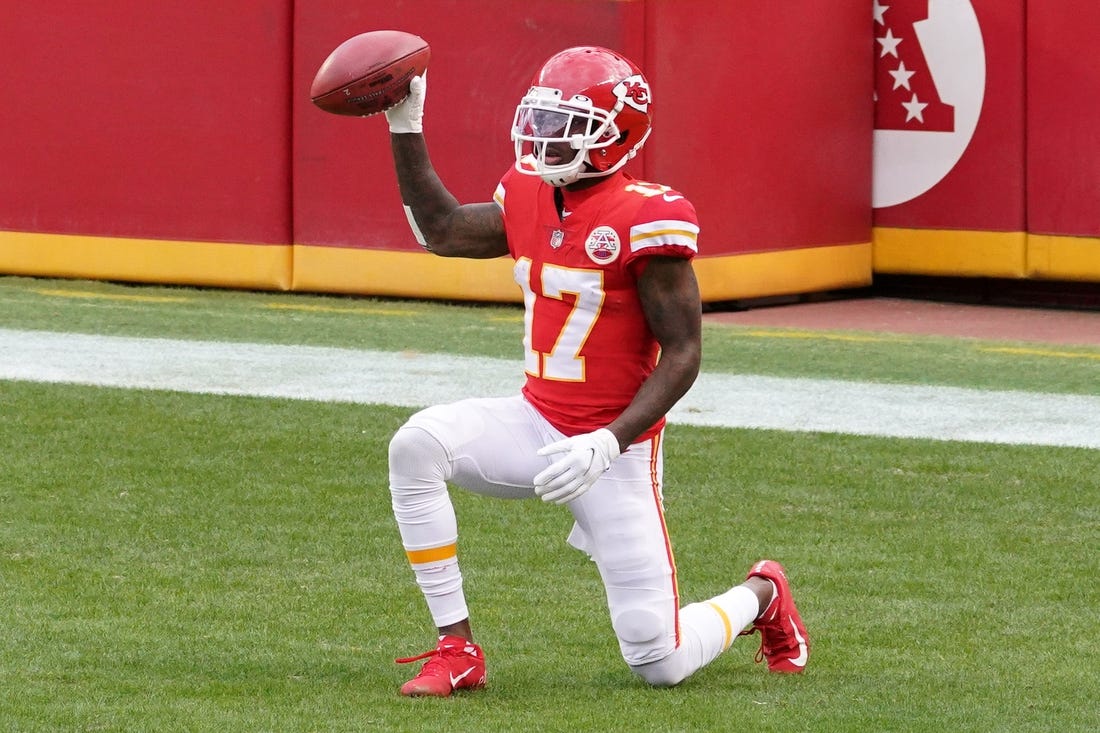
[(415, 228)]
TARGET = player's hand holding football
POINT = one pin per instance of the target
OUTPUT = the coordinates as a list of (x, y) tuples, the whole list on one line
[(586, 457), (408, 115)]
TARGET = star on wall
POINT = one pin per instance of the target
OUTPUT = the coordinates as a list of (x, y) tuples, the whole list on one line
[(914, 109), (880, 11), (901, 76), (889, 44)]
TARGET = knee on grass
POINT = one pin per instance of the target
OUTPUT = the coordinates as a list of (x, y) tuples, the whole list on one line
[(645, 650)]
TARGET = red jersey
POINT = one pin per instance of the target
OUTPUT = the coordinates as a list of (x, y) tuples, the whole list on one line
[(587, 347)]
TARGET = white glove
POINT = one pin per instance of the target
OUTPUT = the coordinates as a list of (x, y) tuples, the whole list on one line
[(586, 457), (408, 114)]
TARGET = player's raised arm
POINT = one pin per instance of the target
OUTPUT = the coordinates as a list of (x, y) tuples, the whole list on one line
[(385, 71), (438, 221)]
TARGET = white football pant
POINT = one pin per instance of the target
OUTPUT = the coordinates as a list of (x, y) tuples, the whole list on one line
[(490, 446)]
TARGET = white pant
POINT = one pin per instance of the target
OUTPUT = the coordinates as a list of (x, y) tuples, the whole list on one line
[(490, 446)]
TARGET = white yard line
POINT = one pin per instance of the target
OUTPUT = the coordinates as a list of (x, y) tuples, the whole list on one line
[(413, 380)]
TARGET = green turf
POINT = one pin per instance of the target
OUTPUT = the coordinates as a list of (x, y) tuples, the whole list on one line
[(174, 562), (495, 330)]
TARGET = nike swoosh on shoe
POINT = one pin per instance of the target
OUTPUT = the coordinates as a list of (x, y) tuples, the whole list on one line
[(803, 650), (459, 678)]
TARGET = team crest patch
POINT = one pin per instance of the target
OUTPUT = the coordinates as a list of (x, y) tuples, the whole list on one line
[(602, 245)]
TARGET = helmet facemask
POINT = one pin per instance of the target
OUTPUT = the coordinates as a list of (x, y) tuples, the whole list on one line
[(546, 129)]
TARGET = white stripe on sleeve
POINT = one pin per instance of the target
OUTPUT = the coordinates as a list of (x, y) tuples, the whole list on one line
[(664, 232)]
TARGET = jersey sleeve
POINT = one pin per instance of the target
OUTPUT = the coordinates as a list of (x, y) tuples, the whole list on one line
[(508, 180), (665, 225), (502, 188)]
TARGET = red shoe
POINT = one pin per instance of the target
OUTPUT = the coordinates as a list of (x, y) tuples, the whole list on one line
[(454, 664), (783, 638)]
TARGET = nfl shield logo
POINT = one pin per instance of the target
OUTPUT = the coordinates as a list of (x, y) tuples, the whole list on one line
[(557, 238)]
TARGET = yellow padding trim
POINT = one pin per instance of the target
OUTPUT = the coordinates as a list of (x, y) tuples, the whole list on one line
[(1063, 258), (952, 253), (257, 266), (729, 277), (402, 274), (432, 554), (388, 273), (725, 622), (784, 272)]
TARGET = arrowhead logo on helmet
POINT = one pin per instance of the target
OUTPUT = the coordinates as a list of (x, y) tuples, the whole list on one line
[(634, 90)]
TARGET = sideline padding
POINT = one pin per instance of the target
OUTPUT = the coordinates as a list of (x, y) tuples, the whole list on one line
[(1063, 258), (419, 274), (784, 272), (953, 253), (216, 264), (389, 273), (402, 274)]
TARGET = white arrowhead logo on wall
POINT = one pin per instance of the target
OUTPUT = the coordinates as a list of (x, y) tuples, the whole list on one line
[(929, 88)]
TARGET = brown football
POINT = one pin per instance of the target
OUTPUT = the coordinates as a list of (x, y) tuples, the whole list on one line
[(369, 73)]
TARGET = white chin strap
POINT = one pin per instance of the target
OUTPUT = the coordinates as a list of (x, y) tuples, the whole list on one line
[(559, 176), (558, 181)]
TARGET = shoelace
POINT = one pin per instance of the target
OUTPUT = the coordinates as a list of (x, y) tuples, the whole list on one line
[(417, 658), (438, 653), (759, 656), (434, 667)]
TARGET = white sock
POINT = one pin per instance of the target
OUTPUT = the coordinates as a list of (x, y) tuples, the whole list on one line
[(740, 607), (426, 518)]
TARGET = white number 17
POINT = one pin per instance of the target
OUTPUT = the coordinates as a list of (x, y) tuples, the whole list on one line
[(564, 361)]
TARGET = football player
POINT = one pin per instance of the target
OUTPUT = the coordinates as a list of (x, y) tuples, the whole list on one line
[(611, 341)]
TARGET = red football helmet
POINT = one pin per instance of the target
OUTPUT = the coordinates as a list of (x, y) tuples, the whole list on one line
[(586, 99)]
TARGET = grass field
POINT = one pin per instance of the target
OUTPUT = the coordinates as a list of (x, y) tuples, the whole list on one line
[(180, 562)]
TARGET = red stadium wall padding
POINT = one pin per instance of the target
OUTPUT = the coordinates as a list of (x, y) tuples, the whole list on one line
[(182, 146), (763, 119), (1063, 143), (1063, 119), (176, 142), (136, 133), (1014, 193), (949, 137), (984, 189), (149, 120), (731, 130)]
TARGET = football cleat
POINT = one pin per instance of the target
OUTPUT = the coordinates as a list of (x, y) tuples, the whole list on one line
[(454, 664), (783, 638)]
